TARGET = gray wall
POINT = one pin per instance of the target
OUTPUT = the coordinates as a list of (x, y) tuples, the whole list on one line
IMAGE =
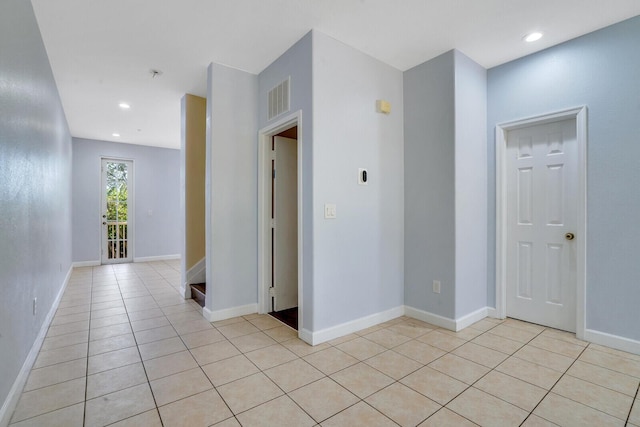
[(296, 62), (35, 194), (358, 257), (429, 185), (599, 70), (157, 189), (232, 188)]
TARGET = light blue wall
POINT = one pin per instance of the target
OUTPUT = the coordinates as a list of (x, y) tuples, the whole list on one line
[(358, 257), (296, 63), (429, 185), (35, 189), (232, 188), (157, 189), (600, 70)]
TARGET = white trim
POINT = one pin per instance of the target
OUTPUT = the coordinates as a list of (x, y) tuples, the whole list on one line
[(613, 341), (580, 116), (78, 264), (156, 258), (493, 313), (10, 403), (196, 274), (318, 337), (434, 319), (264, 185), (471, 318), (228, 313)]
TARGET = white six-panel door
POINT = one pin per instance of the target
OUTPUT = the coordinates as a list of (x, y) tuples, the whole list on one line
[(542, 200)]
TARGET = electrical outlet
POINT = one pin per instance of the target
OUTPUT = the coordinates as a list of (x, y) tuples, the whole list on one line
[(436, 286), (35, 306)]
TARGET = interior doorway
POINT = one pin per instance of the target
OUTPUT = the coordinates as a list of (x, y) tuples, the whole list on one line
[(117, 211)]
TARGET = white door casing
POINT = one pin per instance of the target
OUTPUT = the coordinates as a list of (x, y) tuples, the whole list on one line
[(117, 211), (285, 233), (540, 197)]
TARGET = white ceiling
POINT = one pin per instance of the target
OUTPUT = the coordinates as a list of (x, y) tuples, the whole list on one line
[(102, 51)]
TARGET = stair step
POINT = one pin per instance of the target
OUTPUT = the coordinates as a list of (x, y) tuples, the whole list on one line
[(198, 291)]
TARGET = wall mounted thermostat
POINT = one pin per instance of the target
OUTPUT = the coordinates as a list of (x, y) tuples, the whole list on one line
[(363, 176)]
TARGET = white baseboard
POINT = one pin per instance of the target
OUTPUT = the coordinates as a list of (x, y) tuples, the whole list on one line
[(197, 273), (85, 263), (346, 328), (157, 258), (10, 403), (228, 313), (434, 319), (492, 312), (613, 341), (471, 318)]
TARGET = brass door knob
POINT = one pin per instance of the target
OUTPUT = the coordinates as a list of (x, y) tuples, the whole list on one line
[(569, 236)]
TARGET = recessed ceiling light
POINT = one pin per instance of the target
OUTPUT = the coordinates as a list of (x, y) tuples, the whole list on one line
[(532, 37), (116, 134), (124, 105)]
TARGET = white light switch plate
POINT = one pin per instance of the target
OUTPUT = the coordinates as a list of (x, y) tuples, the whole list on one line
[(330, 211)]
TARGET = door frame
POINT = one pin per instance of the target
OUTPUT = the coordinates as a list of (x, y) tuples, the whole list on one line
[(579, 114), (130, 209), (264, 210)]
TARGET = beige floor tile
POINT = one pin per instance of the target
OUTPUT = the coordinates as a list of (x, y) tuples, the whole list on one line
[(200, 338), (109, 331), (512, 390), (200, 410), (237, 329), (113, 359), (466, 334), (498, 343), (604, 377), (402, 404), (54, 374), (419, 351), (530, 372), (71, 416), (536, 421), (564, 336), (106, 305), (362, 380), (110, 344), (634, 416), (264, 321), (73, 310), (531, 327), (146, 314), (340, 340), (566, 412), (248, 392), (271, 356), (281, 333), (47, 399), (169, 365), (146, 419), (191, 326), (60, 355), (228, 370), (178, 386), (323, 398), (293, 375), (411, 328), (109, 321), (446, 418), (281, 411), (481, 355), (600, 398), (552, 360), (387, 338), (213, 352), (486, 410), (229, 321), (118, 406), (68, 328), (442, 341), (359, 414), (369, 330), (484, 325), (611, 361), (393, 364), (250, 342), (434, 385), (70, 318), (107, 312), (459, 368), (157, 334), (361, 348), (155, 322), (115, 379), (229, 422), (557, 346), (161, 348), (330, 360), (51, 343), (515, 334), (301, 348)]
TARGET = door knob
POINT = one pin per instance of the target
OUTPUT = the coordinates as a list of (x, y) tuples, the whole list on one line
[(569, 236)]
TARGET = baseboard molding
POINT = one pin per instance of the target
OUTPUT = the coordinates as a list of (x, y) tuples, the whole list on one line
[(156, 258), (434, 319), (228, 313), (613, 341), (197, 273), (492, 312), (10, 403), (471, 318), (346, 328), (77, 264)]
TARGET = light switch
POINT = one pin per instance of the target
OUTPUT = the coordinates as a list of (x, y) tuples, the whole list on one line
[(330, 211)]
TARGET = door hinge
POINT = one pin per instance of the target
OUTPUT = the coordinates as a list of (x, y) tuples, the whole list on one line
[(272, 291)]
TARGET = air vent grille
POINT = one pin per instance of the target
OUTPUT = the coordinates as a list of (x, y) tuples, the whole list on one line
[(279, 99)]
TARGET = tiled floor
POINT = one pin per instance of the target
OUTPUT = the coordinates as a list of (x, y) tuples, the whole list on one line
[(125, 350)]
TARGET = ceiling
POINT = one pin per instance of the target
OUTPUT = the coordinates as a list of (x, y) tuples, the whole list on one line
[(101, 52)]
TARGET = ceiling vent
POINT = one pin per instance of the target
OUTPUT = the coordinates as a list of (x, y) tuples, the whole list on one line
[(279, 99)]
